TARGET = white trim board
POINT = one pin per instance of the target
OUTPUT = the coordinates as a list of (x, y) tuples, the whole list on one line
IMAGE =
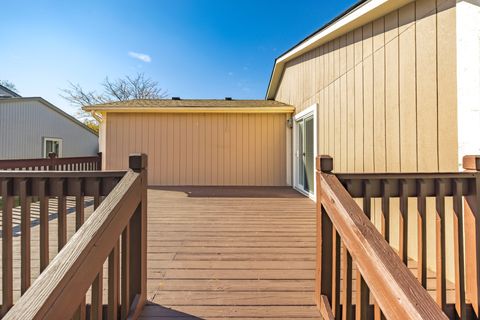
[(468, 77), (310, 111)]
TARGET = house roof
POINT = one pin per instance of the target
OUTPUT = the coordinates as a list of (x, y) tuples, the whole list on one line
[(10, 92), (192, 105), (51, 106), (360, 13)]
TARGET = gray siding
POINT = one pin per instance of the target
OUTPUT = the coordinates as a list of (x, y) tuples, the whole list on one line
[(24, 124)]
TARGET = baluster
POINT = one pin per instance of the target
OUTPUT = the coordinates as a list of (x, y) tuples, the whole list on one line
[(79, 220), (44, 219), (125, 278), (441, 282), (385, 217), (336, 247), (363, 293), (347, 284), (403, 223), (97, 296), (472, 234), (62, 214), (384, 229), (7, 245), (113, 282), (422, 233), (79, 204), (458, 250), (97, 286), (25, 268)]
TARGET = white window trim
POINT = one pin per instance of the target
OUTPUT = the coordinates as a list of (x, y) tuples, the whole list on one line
[(312, 110), (60, 147)]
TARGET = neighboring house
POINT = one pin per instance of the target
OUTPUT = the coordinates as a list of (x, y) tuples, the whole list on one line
[(32, 127)]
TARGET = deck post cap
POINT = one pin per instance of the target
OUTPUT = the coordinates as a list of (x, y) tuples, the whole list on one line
[(471, 162), (324, 163), (137, 161)]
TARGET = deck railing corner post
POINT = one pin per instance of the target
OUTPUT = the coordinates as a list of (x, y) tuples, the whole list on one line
[(324, 233), (325, 163), (138, 237), (51, 156), (137, 162), (472, 233), (99, 161)]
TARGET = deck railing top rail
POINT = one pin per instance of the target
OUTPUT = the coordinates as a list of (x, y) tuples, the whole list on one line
[(52, 162)]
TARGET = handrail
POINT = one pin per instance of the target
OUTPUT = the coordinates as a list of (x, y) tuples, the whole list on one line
[(60, 289), (395, 289), (54, 163)]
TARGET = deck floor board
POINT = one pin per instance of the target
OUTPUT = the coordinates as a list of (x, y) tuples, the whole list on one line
[(214, 255)]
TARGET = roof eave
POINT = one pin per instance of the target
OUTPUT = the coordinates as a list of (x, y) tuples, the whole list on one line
[(276, 109), (356, 16)]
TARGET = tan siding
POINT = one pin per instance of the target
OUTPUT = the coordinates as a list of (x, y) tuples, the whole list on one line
[(201, 149), (399, 90)]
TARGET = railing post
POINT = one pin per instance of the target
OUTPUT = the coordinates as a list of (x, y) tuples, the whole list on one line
[(99, 161), (138, 239), (324, 272), (472, 234), (51, 156)]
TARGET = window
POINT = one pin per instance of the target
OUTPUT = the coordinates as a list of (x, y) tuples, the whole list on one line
[(52, 145)]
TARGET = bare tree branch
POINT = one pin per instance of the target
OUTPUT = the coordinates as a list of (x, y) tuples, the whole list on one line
[(127, 88), (9, 85)]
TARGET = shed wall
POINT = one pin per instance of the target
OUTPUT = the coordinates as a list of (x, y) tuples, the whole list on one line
[(201, 148)]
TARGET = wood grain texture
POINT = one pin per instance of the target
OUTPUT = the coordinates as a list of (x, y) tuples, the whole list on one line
[(61, 287), (214, 254), (394, 287)]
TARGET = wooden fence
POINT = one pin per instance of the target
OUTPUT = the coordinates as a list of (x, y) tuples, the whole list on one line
[(91, 163), (115, 232), (384, 286)]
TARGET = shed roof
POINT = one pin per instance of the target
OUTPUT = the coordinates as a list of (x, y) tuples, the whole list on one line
[(192, 105)]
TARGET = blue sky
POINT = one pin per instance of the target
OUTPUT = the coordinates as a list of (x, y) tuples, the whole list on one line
[(193, 48)]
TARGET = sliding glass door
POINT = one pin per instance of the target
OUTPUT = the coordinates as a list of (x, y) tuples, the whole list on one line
[(305, 154)]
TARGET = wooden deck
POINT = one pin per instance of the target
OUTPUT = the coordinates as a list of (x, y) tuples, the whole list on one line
[(213, 256), (245, 253)]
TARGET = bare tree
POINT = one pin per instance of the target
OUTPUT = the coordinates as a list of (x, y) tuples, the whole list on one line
[(136, 87), (127, 88), (9, 85)]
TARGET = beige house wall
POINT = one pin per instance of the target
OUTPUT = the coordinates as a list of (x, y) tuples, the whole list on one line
[(202, 148), (387, 99)]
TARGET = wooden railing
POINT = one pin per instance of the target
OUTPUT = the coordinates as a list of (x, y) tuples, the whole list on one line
[(384, 286), (115, 233), (90, 163)]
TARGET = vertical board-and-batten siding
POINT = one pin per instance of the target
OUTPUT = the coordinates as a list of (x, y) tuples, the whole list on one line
[(387, 101), (201, 148), (25, 123), (386, 91)]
